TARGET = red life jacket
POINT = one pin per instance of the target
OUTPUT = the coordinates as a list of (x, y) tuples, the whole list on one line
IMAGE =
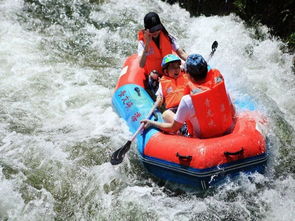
[(155, 55), (173, 89), (213, 107)]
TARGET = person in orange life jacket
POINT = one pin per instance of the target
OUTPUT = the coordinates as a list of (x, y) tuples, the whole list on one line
[(172, 84), (154, 42), (197, 68)]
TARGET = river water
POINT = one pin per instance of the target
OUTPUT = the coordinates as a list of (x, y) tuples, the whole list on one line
[(59, 63)]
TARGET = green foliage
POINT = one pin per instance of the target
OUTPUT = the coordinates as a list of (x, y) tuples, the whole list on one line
[(240, 5), (291, 41)]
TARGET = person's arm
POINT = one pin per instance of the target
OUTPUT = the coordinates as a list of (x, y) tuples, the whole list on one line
[(167, 127), (160, 98), (233, 109), (142, 59), (159, 95), (181, 53), (173, 126), (148, 39)]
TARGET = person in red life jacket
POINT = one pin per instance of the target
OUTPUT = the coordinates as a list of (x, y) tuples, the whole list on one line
[(154, 43), (172, 84), (207, 110)]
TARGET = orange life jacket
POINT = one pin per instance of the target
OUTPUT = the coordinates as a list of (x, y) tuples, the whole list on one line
[(155, 55), (173, 89), (213, 107)]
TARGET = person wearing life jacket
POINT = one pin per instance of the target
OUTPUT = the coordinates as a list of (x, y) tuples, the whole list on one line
[(154, 43), (172, 84), (207, 110)]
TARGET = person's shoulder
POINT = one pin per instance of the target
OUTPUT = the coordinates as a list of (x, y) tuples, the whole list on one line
[(185, 74), (186, 99), (173, 39), (140, 34), (215, 73)]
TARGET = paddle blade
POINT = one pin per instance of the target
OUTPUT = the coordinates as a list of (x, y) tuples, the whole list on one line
[(118, 155), (214, 45)]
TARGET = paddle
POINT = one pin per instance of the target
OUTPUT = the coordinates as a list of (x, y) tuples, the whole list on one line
[(118, 155), (213, 47)]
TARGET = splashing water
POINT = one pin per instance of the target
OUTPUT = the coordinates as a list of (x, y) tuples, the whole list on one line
[(59, 63)]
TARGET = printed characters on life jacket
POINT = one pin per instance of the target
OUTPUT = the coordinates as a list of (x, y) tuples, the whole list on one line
[(213, 108), (154, 43)]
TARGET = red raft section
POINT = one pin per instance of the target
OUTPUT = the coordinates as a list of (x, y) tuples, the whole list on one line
[(131, 73), (190, 161), (244, 142)]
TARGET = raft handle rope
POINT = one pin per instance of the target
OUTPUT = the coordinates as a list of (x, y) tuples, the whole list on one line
[(138, 91), (186, 158), (241, 151)]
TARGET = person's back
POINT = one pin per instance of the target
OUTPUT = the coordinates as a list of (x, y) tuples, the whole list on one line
[(213, 108)]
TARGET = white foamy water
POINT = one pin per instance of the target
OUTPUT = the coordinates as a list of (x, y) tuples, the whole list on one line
[(59, 63)]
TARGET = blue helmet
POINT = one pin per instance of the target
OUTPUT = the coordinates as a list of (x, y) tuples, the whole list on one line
[(196, 66), (168, 59)]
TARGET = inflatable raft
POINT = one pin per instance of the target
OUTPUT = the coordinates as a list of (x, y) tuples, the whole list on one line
[(183, 160)]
